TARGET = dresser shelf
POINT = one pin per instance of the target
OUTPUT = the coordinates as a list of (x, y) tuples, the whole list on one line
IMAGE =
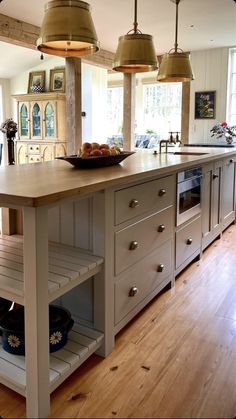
[(68, 267), (82, 342)]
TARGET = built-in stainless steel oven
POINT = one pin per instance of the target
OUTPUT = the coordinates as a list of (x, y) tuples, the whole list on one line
[(188, 194)]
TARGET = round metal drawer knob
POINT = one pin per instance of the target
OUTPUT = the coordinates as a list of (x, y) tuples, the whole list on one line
[(162, 192), (134, 203), (133, 291), (215, 176), (160, 267), (133, 245), (161, 228), (189, 241)]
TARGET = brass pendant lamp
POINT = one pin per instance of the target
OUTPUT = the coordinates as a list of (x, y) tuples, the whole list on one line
[(67, 29), (135, 52), (175, 65)]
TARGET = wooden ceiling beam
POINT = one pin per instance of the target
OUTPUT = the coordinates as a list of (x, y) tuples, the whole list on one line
[(17, 32)]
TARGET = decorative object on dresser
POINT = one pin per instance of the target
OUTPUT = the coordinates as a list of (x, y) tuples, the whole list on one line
[(205, 105), (224, 131), (9, 128), (36, 82), (57, 80)]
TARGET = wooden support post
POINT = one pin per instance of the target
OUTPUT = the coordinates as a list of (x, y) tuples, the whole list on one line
[(73, 104), (36, 312), (129, 111), (185, 112)]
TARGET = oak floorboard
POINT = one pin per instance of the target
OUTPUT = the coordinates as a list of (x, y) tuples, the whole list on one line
[(176, 359)]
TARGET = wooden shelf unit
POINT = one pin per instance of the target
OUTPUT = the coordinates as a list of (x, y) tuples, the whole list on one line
[(68, 267), (82, 342)]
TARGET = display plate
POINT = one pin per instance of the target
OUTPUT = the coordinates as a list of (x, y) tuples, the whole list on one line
[(96, 161)]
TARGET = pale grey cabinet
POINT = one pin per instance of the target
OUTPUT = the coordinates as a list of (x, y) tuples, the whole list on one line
[(211, 202), (143, 237), (228, 191), (188, 243)]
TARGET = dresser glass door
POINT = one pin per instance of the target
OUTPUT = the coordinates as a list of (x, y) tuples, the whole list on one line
[(36, 121), (24, 121), (49, 121)]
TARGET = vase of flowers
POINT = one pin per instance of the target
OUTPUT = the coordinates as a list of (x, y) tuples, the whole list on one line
[(223, 130), (9, 128)]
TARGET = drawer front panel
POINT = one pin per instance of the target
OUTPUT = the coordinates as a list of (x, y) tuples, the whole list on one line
[(188, 241), (136, 200), (32, 158), (33, 148), (141, 280), (134, 242)]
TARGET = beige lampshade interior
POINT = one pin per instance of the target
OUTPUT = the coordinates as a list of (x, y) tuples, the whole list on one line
[(175, 67), (135, 54), (67, 29)]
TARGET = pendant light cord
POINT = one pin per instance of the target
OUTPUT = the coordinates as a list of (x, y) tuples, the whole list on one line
[(135, 29), (176, 25), (135, 17)]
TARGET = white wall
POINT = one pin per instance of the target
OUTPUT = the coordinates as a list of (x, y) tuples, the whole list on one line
[(211, 71), (94, 98)]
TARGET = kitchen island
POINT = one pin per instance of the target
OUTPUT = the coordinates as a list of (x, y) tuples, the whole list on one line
[(92, 227)]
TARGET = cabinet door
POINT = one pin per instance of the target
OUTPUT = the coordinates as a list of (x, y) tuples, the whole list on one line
[(211, 202), (36, 120), (21, 153), (228, 189), (216, 195), (47, 152), (49, 120), (24, 120)]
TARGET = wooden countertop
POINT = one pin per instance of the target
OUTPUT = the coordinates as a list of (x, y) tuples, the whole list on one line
[(45, 183)]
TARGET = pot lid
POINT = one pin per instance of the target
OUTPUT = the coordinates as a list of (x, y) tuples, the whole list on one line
[(14, 319), (4, 306)]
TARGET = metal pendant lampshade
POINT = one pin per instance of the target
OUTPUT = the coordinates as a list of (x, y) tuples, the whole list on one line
[(175, 65), (67, 29), (135, 52)]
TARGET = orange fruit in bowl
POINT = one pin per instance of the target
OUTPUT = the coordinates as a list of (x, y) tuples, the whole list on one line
[(105, 151), (96, 152)]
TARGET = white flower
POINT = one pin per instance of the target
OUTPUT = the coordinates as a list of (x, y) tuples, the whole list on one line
[(13, 341), (55, 338)]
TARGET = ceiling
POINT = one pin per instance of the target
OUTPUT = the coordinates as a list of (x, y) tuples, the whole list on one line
[(203, 24)]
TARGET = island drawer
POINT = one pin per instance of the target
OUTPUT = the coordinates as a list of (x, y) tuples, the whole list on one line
[(188, 241), (134, 242), (139, 281), (136, 200)]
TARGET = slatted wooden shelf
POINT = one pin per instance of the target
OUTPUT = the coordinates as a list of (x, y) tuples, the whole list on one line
[(68, 267), (82, 342)]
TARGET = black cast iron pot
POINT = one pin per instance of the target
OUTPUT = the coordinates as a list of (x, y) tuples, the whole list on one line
[(12, 329)]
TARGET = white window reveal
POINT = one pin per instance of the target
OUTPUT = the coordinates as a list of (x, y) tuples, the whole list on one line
[(162, 103)]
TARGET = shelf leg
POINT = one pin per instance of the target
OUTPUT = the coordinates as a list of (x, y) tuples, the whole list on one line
[(36, 312)]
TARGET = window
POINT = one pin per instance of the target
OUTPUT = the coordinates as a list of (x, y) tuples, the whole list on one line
[(114, 110), (231, 117), (162, 107)]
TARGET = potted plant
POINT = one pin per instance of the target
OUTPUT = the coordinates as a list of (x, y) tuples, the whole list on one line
[(224, 130)]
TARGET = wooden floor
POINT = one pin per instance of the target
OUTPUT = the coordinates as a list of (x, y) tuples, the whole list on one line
[(177, 359)]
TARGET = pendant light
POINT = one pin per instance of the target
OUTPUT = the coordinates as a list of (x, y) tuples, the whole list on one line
[(135, 52), (175, 65), (67, 29)]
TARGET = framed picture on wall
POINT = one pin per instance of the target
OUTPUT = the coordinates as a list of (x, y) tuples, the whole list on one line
[(205, 104), (36, 82), (57, 80)]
